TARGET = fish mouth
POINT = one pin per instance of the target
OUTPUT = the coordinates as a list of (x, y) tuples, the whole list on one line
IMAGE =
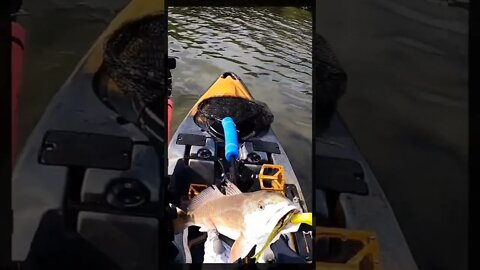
[(280, 215), (284, 222), (288, 216)]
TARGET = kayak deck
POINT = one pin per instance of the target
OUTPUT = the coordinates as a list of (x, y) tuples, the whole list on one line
[(195, 158)]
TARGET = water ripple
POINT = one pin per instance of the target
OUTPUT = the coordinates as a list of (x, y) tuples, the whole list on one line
[(275, 41)]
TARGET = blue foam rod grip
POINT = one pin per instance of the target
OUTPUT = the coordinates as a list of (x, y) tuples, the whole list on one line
[(231, 139)]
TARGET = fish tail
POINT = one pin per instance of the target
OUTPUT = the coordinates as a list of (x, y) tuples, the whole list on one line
[(182, 221)]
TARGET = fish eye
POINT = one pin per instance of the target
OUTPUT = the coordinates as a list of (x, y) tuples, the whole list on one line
[(261, 205)]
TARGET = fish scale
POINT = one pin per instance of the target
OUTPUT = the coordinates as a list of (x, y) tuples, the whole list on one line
[(216, 210)]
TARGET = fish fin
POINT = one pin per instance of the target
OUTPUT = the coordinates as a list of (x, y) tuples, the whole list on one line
[(181, 222), (240, 248), (207, 194), (231, 189)]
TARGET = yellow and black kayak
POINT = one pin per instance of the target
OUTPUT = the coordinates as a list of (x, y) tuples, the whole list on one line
[(198, 157)]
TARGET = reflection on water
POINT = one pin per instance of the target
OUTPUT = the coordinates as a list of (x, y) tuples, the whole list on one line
[(269, 48)]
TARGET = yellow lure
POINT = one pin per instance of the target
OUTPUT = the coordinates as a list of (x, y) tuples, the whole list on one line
[(302, 218)]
